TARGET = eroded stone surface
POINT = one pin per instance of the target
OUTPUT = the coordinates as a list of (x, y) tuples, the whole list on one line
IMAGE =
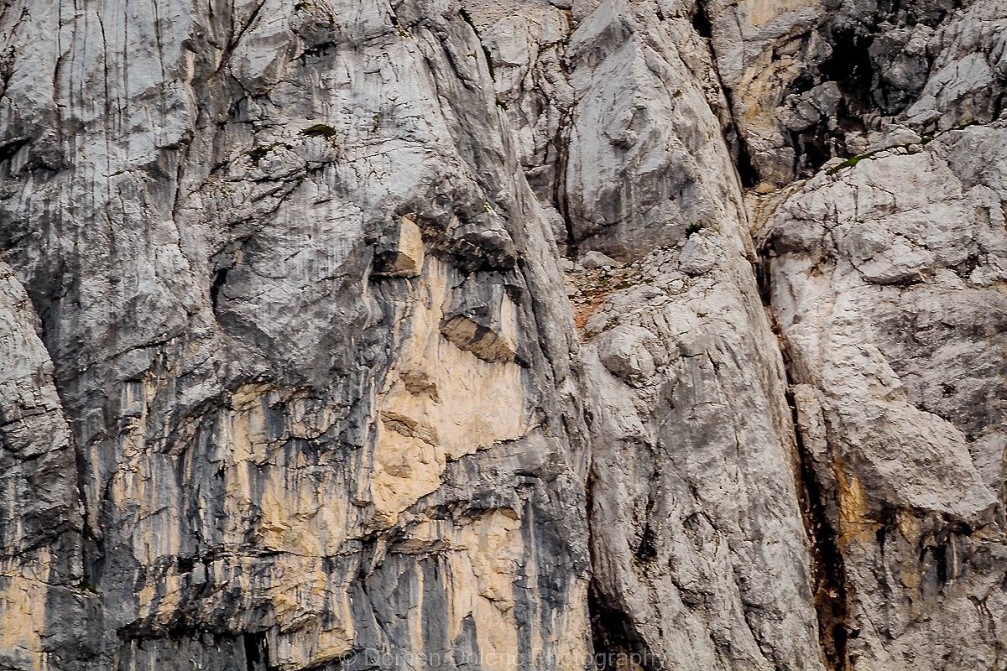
[(888, 281), (347, 335), (280, 454)]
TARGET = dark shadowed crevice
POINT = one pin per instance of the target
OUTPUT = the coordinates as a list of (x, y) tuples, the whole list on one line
[(560, 197), (829, 572), (829, 586), (256, 652), (853, 69), (827, 559), (814, 147), (219, 279), (486, 52), (10, 149), (940, 554), (646, 550), (747, 174), (616, 644), (850, 65), (701, 21)]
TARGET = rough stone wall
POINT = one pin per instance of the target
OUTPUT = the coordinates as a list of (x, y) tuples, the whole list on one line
[(503, 335), (297, 292)]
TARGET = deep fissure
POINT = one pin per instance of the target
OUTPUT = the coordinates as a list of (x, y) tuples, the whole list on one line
[(827, 562)]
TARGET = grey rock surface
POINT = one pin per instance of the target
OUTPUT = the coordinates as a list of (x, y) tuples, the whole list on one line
[(279, 454), (887, 278), (560, 335)]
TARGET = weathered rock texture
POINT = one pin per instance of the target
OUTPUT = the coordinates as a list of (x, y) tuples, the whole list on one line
[(503, 335)]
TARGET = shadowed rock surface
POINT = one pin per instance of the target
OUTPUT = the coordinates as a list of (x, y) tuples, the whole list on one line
[(563, 335)]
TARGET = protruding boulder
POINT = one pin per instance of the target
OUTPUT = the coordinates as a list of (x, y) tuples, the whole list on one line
[(402, 252), (623, 351), (595, 259), (482, 319)]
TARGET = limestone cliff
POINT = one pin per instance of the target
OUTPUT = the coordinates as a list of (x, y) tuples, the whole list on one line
[(503, 335)]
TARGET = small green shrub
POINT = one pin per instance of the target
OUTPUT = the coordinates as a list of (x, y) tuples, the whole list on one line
[(693, 228), (850, 162), (259, 153), (319, 130)]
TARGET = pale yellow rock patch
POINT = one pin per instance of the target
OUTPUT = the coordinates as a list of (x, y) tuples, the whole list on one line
[(439, 402), (758, 13), (22, 609), (483, 558)]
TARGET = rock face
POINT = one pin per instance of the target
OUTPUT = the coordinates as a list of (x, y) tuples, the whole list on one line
[(888, 279), (503, 335)]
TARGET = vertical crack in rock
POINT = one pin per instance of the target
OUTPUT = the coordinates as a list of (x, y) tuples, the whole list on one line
[(830, 581), (219, 280), (567, 243), (826, 557), (691, 457), (256, 652), (701, 21), (615, 641), (735, 138), (464, 13)]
